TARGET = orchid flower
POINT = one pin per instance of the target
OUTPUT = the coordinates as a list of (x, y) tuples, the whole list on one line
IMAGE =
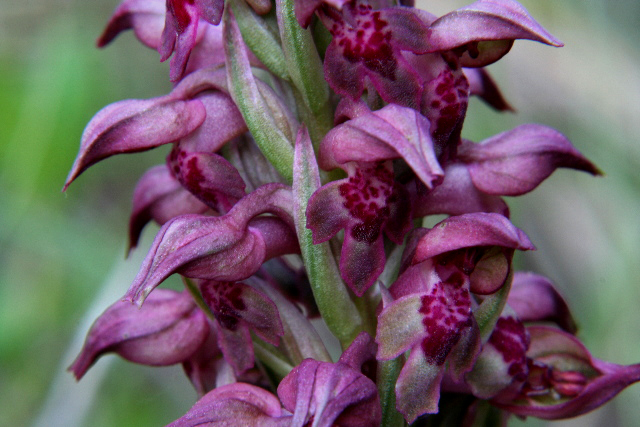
[(168, 330), (238, 308), (226, 248), (369, 201), (147, 20), (315, 393), (564, 380), (369, 43), (432, 297), (508, 164)]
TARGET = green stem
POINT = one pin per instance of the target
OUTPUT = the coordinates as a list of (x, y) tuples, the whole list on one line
[(388, 372), (318, 123), (197, 297), (270, 357)]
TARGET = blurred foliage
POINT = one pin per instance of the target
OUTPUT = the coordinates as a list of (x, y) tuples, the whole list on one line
[(58, 250)]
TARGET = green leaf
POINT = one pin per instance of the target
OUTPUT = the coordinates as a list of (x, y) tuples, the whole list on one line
[(337, 309), (266, 117), (306, 71), (260, 39)]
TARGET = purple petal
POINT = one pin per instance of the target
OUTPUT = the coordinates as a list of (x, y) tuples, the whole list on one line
[(135, 125), (224, 122), (515, 162), (503, 358), (235, 404), (326, 213), (181, 30), (236, 346), (210, 10), (343, 76), (145, 17), (470, 230), (444, 310), (486, 29), (369, 43), (418, 387), (456, 195), (209, 177), (482, 85), (535, 299), (165, 331), (234, 303), (305, 9), (362, 260), (444, 103), (363, 349), (390, 133), (330, 394), (159, 197)]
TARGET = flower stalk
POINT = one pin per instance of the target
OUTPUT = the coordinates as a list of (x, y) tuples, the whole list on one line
[(297, 200)]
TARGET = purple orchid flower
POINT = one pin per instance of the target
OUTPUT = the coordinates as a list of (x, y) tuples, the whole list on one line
[(167, 330), (370, 201), (564, 380), (432, 299), (239, 308), (369, 43), (181, 21), (483, 32), (314, 393), (147, 19), (542, 371), (225, 248), (181, 29), (508, 164), (199, 101)]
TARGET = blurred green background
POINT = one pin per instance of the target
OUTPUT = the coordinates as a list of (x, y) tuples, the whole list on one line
[(61, 255)]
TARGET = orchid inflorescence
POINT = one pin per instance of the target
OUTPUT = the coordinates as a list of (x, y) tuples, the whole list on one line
[(310, 141)]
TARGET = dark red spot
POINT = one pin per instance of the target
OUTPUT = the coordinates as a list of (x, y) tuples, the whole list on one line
[(367, 42), (367, 195), (512, 341), (443, 323)]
